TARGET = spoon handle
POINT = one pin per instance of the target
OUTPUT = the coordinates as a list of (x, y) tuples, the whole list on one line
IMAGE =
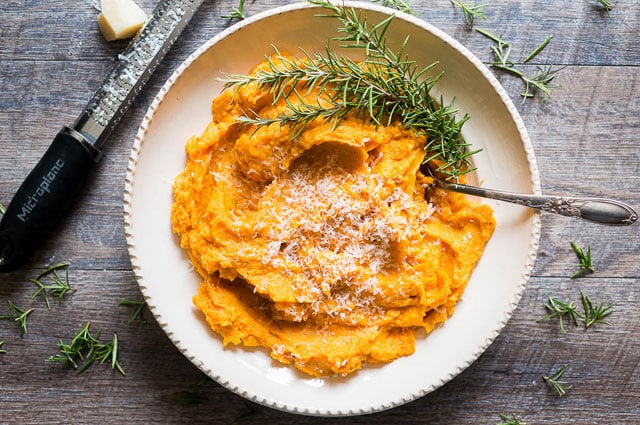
[(597, 210)]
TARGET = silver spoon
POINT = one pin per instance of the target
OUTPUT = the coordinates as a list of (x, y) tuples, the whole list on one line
[(597, 210)]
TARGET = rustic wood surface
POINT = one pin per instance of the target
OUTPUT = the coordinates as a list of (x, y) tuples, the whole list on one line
[(52, 58)]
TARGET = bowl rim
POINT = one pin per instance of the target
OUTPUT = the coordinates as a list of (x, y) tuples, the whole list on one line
[(137, 148)]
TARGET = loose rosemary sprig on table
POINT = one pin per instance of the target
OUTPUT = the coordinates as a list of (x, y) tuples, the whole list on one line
[(585, 265), (607, 5), (85, 348), (561, 309), (560, 387), (137, 308), (470, 11), (541, 81), (594, 314), (236, 12), (510, 420), (385, 87), (18, 315), (59, 288)]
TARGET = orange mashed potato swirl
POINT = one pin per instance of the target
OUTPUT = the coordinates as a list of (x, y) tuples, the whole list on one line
[(321, 248)]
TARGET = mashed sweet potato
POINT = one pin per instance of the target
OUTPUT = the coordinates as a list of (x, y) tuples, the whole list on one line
[(323, 248)]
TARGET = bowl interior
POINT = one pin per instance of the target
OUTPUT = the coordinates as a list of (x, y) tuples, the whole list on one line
[(168, 281)]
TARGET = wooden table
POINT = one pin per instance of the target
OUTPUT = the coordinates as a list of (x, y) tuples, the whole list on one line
[(52, 58)]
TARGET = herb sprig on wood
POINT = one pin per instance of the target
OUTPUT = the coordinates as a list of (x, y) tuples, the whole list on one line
[(386, 87), (554, 380), (470, 11), (18, 315), (85, 349), (510, 420), (538, 82), (137, 308), (59, 286), (585, 265), (236, 12)]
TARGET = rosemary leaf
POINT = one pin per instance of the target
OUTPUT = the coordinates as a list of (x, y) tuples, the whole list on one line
[(3, 209), (85, 348), (2, 350), (18, 315), (539, 82), (538, 49), (470, 11), (60, 287), (607, 5), (594, 314), (137, 308), (561, 309), (236, 12), (585, 265), (510, 420), (560, 387)]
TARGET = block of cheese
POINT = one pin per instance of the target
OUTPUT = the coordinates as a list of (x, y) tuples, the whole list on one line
[(120, 19)]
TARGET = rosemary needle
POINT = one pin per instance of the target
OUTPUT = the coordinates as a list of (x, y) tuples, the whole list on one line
[(2, 350), (236, 12), (85, 348), (470, 11), (510, 420), (3, 209), (18, 315), (560, 309), (385, 87), (607, 5), (539, 82), (538, 49), (59, 287), (585, 265), (136, 308), (594, 314), (560, 387)]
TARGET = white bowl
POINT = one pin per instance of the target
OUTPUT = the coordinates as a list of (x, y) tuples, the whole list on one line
[(168, 281)]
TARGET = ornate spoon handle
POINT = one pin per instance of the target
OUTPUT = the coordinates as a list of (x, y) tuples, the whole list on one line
[(598, 210)]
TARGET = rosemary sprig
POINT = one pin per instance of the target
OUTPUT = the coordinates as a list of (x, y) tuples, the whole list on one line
[(607, 5), (560, 387), (137, 307), (385, 87), (541, 81), (594, 314), (585, 266), (58, 288), (560, 309), (18, 315), (236, 12), (401, 5), (470, 11), (510, 420), (85, 348)]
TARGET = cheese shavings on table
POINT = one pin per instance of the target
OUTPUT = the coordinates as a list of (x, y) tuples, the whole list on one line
[(323, 249)]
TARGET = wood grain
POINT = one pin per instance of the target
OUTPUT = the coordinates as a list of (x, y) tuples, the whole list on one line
[(52, 58)]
